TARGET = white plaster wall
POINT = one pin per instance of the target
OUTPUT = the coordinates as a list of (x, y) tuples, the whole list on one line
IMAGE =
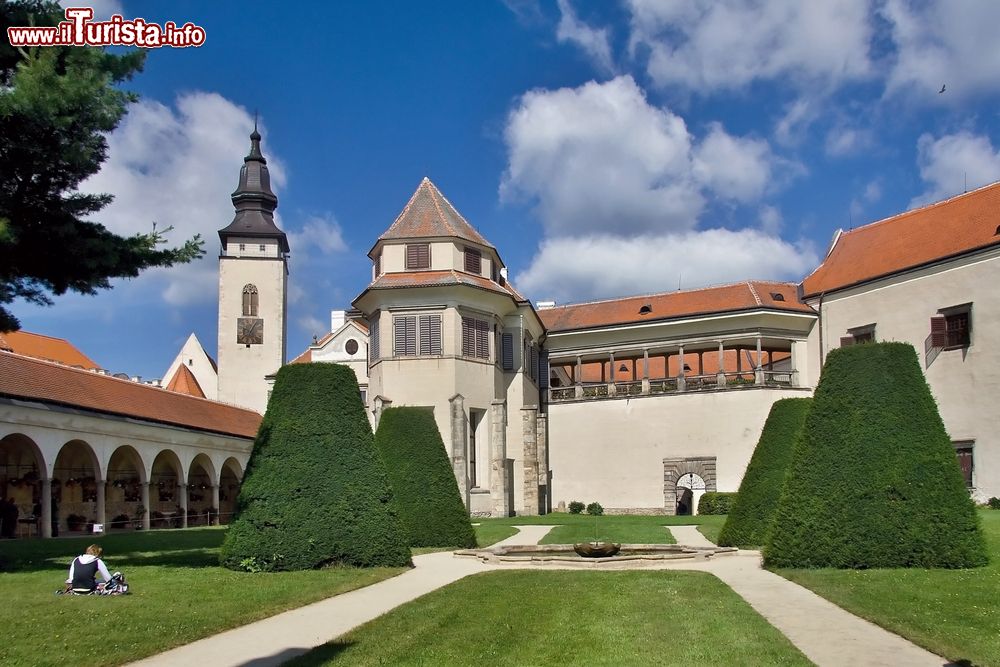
[(193, 356), (611, 451), (242, 369), (965, 383)]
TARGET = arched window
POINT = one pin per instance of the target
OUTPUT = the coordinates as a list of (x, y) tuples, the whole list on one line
[(250, 301)]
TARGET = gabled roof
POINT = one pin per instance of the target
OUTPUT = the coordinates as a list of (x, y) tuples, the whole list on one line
[(184, 382), (427, 215), (750, 295), (26, 378), (49, 348), (949, 228), (442, 278)]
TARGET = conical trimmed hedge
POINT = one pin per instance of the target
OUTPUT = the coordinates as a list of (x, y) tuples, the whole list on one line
[(874, 481), (422, 479), (752, 515), (315, 490)]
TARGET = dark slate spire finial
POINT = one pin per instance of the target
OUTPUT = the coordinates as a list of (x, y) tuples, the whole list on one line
[(255, 153), (253, 199)]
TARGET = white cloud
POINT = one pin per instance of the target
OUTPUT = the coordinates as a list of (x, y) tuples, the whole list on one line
[(706, 45), (600, 158), (951, 164), (770, 220), (320, 235), (950, 43), (843, 140), (313, 326), (177, 167), (593, 41), (791, 127), (599, 266)]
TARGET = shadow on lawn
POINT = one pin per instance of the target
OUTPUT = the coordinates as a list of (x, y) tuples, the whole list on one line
[(318, 656)]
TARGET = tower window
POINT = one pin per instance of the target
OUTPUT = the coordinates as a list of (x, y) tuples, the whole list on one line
[(473, 261), (263, 247), (243, 246), (249, 300), (418, 256)]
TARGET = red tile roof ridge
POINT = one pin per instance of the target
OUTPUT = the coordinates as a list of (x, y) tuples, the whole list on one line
[(140, 385), (683, 291)]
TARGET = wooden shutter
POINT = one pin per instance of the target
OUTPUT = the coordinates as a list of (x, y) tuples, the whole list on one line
[(846, 341), (939, 331), (378, 265), (418, 256), (533, 372), (964, 454), (507, 345), (405, 335), (473, 261), (373, 340), (430, 334), (468, 337), (543, 370), (482, 339)]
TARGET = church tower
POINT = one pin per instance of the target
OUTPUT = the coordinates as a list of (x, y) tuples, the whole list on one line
[(253, 288)]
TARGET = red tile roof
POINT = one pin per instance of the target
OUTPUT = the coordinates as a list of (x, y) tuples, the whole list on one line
[(671, 305), (184, 382), (443, 278), (952, 227), (49, 348), (32, 379), (428, 214)]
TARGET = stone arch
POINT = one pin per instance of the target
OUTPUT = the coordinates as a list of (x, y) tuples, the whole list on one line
[(230, 476), (166, 476), (126, 477), (76, 473), (201, 483), (696, 468), (22, 466)]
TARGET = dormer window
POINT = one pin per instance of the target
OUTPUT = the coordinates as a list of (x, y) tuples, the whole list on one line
[(646, 309), (777, 296), (418, 256), (473, 261)]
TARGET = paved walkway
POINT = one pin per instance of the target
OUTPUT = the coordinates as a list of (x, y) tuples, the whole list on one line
[(824, 632)]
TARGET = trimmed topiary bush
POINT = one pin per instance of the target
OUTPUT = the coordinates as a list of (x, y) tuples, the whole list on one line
[(576, 507), (874, 481), (993, 503), (595, 509), (315, 490), (752, 514), (422, 479), (716, 502)]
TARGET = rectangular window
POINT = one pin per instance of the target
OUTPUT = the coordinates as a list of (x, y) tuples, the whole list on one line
[(958, 329), (475, 338), (857, 335), (405, 336), (418, 256), (473, 261), (507, 342), (430, 334), (378, 265), (373, 338), (951, 328), (243, 246), (263, 247), (963, 450)]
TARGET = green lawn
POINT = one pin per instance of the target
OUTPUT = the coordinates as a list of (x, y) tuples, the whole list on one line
[(954, 613), (568, 618), (485, 536), (710, 526), (179, 594)]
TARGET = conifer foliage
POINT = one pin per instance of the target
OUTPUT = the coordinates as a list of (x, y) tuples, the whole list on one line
[(315, 490), (874, 481), (422, 479), (752, 514)]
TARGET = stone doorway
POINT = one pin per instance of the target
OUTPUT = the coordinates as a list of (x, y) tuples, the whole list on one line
[(684, 481)]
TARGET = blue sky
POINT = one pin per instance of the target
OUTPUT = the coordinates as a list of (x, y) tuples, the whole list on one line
[(605, 148)]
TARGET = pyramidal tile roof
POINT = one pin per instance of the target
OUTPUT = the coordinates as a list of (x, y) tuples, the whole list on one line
[(45, 347), (184, 382), (429, 214), (33, 379), (948, 228), (748, 295)]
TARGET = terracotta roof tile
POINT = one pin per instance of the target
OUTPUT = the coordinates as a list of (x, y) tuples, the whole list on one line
[(184, 382), (428, 214), (27, 378), (669, 305), (50, 348), (442, 278), (304, 358), (945, 229)]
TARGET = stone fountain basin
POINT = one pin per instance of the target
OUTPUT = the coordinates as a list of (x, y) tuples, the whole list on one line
[(636, 554)]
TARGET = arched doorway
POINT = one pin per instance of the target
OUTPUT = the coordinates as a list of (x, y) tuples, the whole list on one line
[(229, 489), (21, 466), (75, 478), (684, 482), (126, 483), (690, 488), (202, 510), (167, 499)]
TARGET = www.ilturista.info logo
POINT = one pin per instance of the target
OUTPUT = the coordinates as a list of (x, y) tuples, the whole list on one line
[(80, 30)]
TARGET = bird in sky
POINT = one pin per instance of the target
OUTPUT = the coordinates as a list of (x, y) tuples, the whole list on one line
[(942, 89)]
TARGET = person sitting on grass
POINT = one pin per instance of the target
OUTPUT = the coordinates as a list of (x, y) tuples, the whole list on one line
[(84, 569)]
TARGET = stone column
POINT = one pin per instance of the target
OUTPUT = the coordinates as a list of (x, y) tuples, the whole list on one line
[(579, 377), (498, 459), (46, 507), (182, 491), (145, 503), (681, 380), (529, 434), (611, 374), (542, 437), (216, 507), (758, 373), (459, 442), (645, 371), (720, 377), (102, 512), (701, 362)]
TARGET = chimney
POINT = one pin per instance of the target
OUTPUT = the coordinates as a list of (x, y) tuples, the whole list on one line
[(544, 305), (337, 319)]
